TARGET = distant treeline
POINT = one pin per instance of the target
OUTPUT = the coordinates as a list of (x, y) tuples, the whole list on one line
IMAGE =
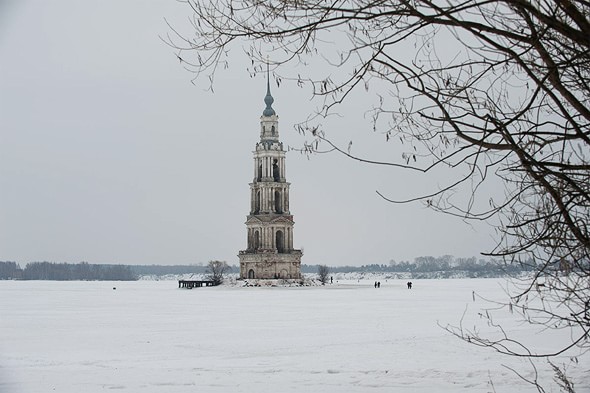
[(444, 266), (66, 272), (161, 270), (86, 271)]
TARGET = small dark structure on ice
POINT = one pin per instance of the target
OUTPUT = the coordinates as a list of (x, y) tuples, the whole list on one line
[(190, 284)]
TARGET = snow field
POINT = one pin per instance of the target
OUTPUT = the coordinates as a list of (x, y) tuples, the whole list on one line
[(150, 336)]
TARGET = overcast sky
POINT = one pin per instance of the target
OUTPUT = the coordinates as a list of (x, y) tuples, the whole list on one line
[(108, 153)]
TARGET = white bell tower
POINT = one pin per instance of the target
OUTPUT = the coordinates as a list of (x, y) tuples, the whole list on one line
[(270, 253)]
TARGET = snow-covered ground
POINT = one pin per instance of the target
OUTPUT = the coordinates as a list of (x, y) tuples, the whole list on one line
[(150, 336)]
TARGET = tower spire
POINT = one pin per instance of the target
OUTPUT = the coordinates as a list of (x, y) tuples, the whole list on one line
[(268, 111)]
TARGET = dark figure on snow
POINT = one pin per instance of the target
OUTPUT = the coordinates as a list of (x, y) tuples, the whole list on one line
[(378, 284), (331, 280), (375, 284), (409, 285)]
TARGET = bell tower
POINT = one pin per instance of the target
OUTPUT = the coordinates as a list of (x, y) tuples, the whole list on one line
[(270, 253)]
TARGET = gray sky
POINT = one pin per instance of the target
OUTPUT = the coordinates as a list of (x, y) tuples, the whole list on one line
[(108, 154)]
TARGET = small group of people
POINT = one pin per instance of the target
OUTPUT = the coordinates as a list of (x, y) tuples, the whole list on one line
[(378, 284)]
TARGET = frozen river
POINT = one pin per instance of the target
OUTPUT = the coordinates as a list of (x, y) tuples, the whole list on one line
[(150, 336)]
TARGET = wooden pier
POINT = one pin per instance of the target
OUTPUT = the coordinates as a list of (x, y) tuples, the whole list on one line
[(190, 284)]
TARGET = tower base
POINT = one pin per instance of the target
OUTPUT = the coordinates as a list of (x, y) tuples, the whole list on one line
[(270, 265)]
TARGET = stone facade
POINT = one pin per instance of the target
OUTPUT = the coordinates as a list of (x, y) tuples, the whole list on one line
[(270, 253)]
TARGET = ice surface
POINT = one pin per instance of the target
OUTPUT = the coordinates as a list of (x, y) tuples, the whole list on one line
[(150, 336)]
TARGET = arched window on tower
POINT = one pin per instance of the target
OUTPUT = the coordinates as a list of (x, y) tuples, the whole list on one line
[(256, 240), (280, 242), (276, 173), (259, 177), (278, 203), (257, 203), (272, 130)]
